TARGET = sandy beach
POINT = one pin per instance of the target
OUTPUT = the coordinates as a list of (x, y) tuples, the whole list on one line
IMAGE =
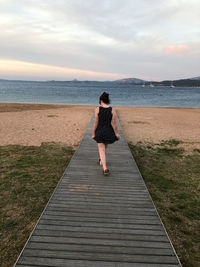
[(32, 124), (154, 124)]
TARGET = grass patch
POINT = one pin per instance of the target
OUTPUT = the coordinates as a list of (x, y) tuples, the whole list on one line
[(196, 150), (173, 180), (171, 142), (28, 176)]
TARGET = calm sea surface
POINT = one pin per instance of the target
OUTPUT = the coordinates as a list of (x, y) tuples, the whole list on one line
[(88, 94)]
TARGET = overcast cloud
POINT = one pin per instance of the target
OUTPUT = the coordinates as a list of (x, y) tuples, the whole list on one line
[(153, 40)]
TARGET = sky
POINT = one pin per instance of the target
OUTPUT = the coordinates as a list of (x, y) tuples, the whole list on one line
[(99, 40)]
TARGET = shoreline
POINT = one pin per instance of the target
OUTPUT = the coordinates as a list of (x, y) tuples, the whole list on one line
[(88, 105), (32, 124), (12, 107)]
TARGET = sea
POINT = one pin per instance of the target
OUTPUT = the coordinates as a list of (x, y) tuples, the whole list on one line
[(88, 93)]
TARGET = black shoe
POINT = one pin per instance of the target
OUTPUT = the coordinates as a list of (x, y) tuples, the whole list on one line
[(106, 172)]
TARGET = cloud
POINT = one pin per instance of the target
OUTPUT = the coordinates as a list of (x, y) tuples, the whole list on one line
[(176, 49), (133, 39)]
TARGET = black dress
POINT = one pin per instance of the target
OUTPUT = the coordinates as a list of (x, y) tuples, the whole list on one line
[(104, 132)]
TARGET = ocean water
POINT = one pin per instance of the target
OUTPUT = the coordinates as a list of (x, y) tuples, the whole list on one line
[(84, 93)]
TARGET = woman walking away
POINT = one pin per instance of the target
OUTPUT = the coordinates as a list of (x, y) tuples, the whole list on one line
[(104, 130)]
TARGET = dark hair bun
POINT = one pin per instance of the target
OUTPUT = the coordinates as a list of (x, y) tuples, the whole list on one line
[(105, 98)]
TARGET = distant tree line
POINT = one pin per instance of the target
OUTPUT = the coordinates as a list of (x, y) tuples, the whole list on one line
[(183, 82)]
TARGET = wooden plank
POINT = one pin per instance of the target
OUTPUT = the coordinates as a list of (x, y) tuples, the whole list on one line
[(139, 230), (137, 203), (99, 249), (39, 261), (99, 236), (105, 212), (101, 206), (102, 225), (99, 256), (104, 208), (97, 216), (102, 194), (103, 242), (100, 219), (92, 220), (100, 197)]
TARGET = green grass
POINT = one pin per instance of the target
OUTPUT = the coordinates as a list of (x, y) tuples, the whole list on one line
[(28, 176), (171, 142), (173, 179)]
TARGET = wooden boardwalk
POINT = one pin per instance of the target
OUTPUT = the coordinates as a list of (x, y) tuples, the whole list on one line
[(97, 221)]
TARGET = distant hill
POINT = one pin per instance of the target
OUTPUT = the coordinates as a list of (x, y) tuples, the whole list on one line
[(179, 83), (191, 82), (130, 81), (196, 78)]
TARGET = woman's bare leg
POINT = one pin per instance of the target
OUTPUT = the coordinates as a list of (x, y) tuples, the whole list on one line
[(106, 146), (102, 154), (100, 162)]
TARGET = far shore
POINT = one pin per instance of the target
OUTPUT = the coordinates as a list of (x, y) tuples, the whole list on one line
[(32, 124)]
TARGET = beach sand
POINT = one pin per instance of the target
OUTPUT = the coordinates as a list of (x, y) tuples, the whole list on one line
[(32, 124), (154, 124)]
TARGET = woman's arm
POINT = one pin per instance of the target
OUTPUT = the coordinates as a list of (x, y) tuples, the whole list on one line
[(96, 120), (114, 123)]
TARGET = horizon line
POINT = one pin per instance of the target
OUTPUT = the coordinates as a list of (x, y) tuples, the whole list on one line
[(76, 80)]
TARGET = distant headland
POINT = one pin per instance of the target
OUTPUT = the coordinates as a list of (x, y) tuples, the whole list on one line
[(189, 82)]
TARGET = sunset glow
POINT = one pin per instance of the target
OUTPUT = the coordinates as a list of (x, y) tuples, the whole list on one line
[(176, 49), (17, 68), (99, 40)]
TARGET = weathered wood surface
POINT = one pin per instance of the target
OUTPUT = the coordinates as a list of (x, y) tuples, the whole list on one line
[(98, 221)]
